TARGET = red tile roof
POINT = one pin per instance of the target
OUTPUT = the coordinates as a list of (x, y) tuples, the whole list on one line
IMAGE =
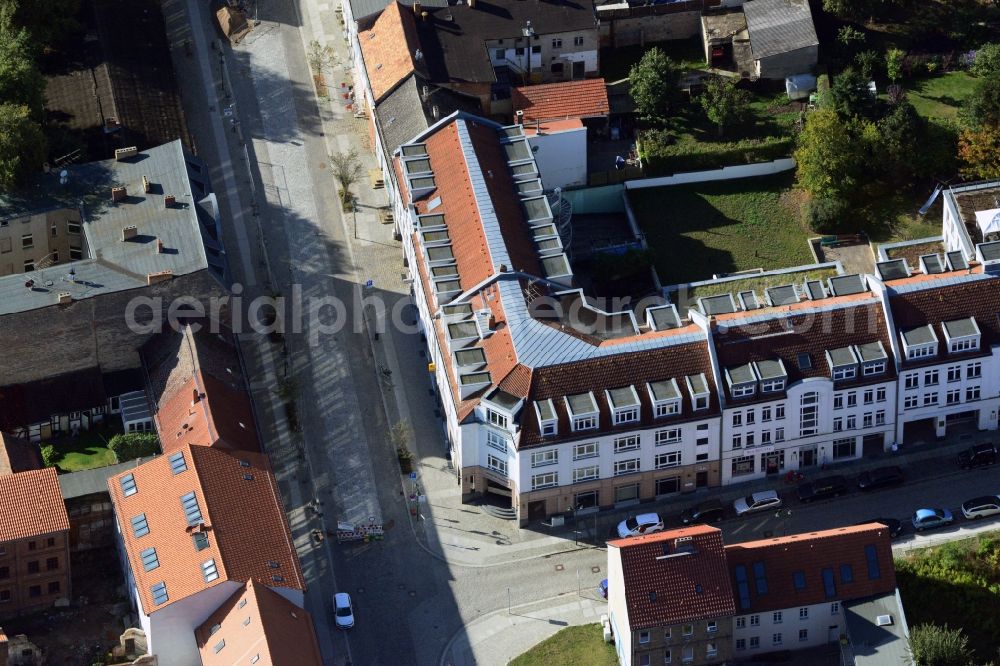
[(236, 494), (585, 98), (618, 371), (663, 591), (31, 504), (810, 554), (388, 48), (18, 455), (278, 631)]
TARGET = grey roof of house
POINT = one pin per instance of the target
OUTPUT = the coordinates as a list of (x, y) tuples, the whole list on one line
[(403, 114), (741, 374), (893, 269), (959, 328), (665, 390), (93, 481), (873, 351), (956, 260), (189, 230), (721, 304), (919, 336), (871, 644), (843, 285), (815, 289), (779, 26), (364, 8), (932, 263), (770, 369), (664, 317), (990, 251), (841, 356), (783, 295)]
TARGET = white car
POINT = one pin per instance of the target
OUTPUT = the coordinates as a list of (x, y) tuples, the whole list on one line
[(980, 507), (762, 501), (344, 611), (644, 523)]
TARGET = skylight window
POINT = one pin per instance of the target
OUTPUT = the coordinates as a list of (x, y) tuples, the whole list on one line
[(140, 527), (760, 579), (743, 586), (128, 485), (149, 559), (191, 509), (177, 462), (200, 540), (209, 571), (159, 592)]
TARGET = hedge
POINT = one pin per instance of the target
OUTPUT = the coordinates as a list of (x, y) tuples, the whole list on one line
[(663, 154), (131, 445)]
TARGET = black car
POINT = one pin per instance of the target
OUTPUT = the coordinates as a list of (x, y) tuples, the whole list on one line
[(895, 526), (709, 511), (830, 486), (881, 477), (979, 455)]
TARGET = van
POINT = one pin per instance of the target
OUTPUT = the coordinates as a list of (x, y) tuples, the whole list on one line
[(979, 455)]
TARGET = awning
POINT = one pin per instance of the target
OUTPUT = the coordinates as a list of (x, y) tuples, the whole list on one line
[(989, 221)]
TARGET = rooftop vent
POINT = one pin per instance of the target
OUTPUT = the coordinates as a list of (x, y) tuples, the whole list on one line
[(160, 276), (883, 620), (64, 297), (169, 201), (131, 231), (125, 153), (119, 193), (159, 246), (146, 185)]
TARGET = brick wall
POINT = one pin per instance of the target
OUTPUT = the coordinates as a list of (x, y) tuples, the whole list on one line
[(34, 572)]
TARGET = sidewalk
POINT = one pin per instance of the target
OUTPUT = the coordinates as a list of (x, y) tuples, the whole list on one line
[(498, 637)]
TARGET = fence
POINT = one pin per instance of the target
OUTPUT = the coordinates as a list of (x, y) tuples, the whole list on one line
[(725, 173)]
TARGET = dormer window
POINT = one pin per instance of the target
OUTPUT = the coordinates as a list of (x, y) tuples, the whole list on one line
[(873, 358), (698, 389), (624, 404), (498, 419), (548, 420), (742, 380), (583, 413), (962, 335), (666, 398), (843, 363), (920, 343), (772, 375)]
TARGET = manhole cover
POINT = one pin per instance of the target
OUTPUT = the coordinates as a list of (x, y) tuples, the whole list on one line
[(559, 567), (595, 569)]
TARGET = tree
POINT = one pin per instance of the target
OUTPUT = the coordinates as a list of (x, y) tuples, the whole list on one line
[(933, 645), (851, 96), (346, 171), (894, 64), (900, 138), (22, 145), (868, 62), (724, 103), (321, 57), (982, 107), (48, 21), (20, 80), (979, 152), (987, 60), (829, 158), (653, 85)]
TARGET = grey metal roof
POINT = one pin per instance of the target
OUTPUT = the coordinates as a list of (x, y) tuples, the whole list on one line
[(770, 369), (841, 357), (931, 263), (721, 304), (748, 300), (873, 351), (697, 383), (363, 8), (665, 390), (960, 328), (135, 407), (919, 336), (873, 645), (989, 251), (783, 295), (623, 397), (740, 374), (664, 317), (842, 285), (894, 269), (815, 289), (582, 403), (779, 26), (546, 410), (93, 481), (503, 399), (189, 231), (956, 260), (406, 112)]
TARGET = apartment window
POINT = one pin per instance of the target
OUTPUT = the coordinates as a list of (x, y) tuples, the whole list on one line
[(963, 345), (670, 408), (668, 436), (27, 242), (127, 484), (200, 540), (667, 486), (754, 642), (73, 228), (711, 649), (29, 265), (496, 441), (779, 412), (779, 434), (586, 473), (519, 51), (846, 372), (55, 231), (149, 559), (4, 573), (218, 646), (765, 437), (33, 567), (741, 623), (776, 617), (880, 417), (542, 458), (743, 390), (930, 399), (835, 608), (765, 413), (852, 398), (880, 394), (873, 368), (955, 373), (700, 402), (741, 644), (974, 370), (32, 545), (712, 626), (536, 49), (626, 415), (644, 659), (4, 596), (557, 68), (867, 420), (688, 629), (737, 441), (750, 438), (35, 591), (546, 480), (629, 466), (829, 586), (972, 393), (776, 639), (578, 41), (584, 422), (667, 657), (496, 464), (953, 397), (843, 448), (548, 428), (743, 465), (630, 443), (921, 352), (910, 402), (496, 418), (701, 441), (501, 54), (75, 254), (588, 450), (772, 386), (931, 378), (803, 613), (808, 414), (54, 587), (838, 401), (643, 636), (755, 620), (665, 460), (557, 43), (51, 564), (838, 424), (737, 419), (869, 396), (911, 381), (803, 634)]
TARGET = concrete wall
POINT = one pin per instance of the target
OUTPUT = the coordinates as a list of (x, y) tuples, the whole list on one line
[(171, 628), (817, 624), (617, 608), (602, 199), (640, 29), (561, 157), (781, 65), (725, 173)]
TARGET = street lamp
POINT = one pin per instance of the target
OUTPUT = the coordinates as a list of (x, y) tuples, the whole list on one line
[(528, 33)]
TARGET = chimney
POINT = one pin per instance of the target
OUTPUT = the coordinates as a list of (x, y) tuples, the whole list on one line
[(425, 92), (159, 246), (416, 9), (162, 276), (519, 117), (119, 193), (125, 153), (65, 298), (146, 185), (131, 231), (169, 201), (435, 111), (196, 396)]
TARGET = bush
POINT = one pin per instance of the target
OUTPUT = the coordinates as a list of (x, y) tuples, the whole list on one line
[(827, 215), (987, 60), (663, 155), (932, 645), (49, 455), (131, 445)]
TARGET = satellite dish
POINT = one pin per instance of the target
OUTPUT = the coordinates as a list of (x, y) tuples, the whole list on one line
[(63, 177)]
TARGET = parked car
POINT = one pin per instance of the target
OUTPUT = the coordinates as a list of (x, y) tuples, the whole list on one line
[(829, 486), (980, 507), (895, 526), (762, 501), (644, 523), (709, 511), (927, 519), (602, 588), (880, 477), (979, 455), (343, 610)]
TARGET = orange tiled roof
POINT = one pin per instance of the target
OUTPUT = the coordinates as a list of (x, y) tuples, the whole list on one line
[(236, 493), (279, 632), (17, 454), (809, 554), (662, 591), (388, 48), (586, 98), (31, 504)]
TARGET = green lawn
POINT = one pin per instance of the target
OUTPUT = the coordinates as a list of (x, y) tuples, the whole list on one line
[(572, 646), (88, 451), (759, 283), (616, 62), (939, 98), (699, 230)]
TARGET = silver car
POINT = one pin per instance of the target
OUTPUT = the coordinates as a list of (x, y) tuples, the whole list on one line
[(762, 501), (980, 507)]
